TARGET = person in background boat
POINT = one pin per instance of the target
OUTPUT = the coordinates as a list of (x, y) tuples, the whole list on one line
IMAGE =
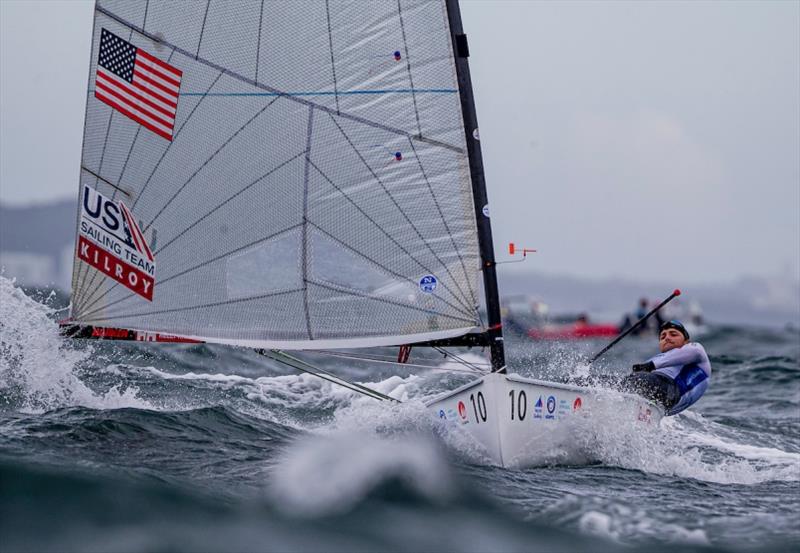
[(675, 378), (630, 319)]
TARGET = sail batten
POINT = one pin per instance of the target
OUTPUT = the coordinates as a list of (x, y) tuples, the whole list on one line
[(314, 191)]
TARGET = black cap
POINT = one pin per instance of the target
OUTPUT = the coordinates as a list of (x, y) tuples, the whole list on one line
[(677, 325)]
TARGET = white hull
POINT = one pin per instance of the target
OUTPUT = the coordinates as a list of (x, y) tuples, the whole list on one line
[(521, 422)]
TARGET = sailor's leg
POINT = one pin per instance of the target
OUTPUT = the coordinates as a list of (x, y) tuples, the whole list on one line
[(654, 387)]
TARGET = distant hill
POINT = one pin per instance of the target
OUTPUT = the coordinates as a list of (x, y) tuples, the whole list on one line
[(47, 232), (36, 243), (42, 229)]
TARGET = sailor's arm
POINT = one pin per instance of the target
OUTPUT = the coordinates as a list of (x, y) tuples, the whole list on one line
[(690, 353)]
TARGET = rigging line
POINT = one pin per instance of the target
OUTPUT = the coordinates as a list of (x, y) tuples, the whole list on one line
[(374, 356), (333, 287), (262, 86), (174, 138), (456, 308), (304, 239), (206, 162), (444, 221), (224, 203), (199, 306), (202, 30), (302, 366), (401, 211), (333, 64), (466, 309), (258, 46), (456, 358), (390, 362), (408, 67), (198, 266), (361, 387)]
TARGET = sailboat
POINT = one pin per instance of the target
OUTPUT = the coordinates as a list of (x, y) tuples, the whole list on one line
[(302, 176)]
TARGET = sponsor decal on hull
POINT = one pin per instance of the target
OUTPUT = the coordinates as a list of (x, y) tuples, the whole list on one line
[(462, 412), (109, 239), (563, 408), (551, 408), (537, 408)]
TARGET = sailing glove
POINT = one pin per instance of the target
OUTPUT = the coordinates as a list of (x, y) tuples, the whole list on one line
[(644, 367)]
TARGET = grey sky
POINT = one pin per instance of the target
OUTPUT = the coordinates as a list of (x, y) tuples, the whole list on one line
[(649, 140)]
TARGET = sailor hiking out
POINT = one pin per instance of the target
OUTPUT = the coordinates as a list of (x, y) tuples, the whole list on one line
[(675, 378)]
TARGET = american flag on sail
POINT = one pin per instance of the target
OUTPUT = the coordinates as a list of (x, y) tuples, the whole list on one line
[(137, 84)]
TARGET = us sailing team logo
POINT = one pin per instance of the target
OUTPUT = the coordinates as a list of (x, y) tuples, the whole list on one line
[(109, 239)]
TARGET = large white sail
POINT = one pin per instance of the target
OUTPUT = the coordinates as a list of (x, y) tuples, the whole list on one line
[(276, 174)]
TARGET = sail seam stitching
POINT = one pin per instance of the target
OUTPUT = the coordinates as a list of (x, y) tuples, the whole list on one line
[(258, 46), (175, 136), (206, 162), (231, 198), (335, 288), (394, 241), (444, 221), (262, 86), (408, 67), (304, 265), (401, 211), (202, 30), (198, 266), (333, 64), (190, 307), (383, 267)]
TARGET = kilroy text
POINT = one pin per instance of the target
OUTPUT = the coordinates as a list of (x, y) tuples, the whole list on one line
[(109, 239)]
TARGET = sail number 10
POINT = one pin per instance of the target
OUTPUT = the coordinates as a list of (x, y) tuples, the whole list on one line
[(520, 406), (479, 407)]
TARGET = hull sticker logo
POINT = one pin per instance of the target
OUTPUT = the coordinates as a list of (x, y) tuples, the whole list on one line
[(109, 239), (551, 407), (462, 410)]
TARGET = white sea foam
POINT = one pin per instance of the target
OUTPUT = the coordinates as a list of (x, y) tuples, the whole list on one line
[(621, 523), (38, 370), (324, 475), (691, 451)]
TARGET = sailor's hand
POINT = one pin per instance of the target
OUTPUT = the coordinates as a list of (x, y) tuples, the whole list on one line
[(644, 367)]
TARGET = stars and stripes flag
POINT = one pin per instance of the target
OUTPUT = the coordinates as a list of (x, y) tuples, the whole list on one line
[(137, 84)]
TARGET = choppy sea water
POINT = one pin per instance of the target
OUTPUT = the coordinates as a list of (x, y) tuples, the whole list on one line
[(132, 447)]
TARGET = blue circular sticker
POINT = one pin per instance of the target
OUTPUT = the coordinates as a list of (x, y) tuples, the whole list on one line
[(428, 284), (551, 404)]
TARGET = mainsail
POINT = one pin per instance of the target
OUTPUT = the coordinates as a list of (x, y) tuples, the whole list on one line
[(277, 174)]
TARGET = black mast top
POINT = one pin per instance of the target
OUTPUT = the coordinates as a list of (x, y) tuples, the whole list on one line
[(461, 52)]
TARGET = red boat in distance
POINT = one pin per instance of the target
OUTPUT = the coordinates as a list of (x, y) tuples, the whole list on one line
[(577, 330), (531, 317)]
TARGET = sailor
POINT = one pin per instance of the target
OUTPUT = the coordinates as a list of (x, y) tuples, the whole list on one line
[(678, 376)]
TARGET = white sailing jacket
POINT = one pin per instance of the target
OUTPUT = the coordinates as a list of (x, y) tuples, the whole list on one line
[(689, 368)]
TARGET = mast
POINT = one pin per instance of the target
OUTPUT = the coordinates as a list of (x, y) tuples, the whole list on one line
[(488, 265)]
